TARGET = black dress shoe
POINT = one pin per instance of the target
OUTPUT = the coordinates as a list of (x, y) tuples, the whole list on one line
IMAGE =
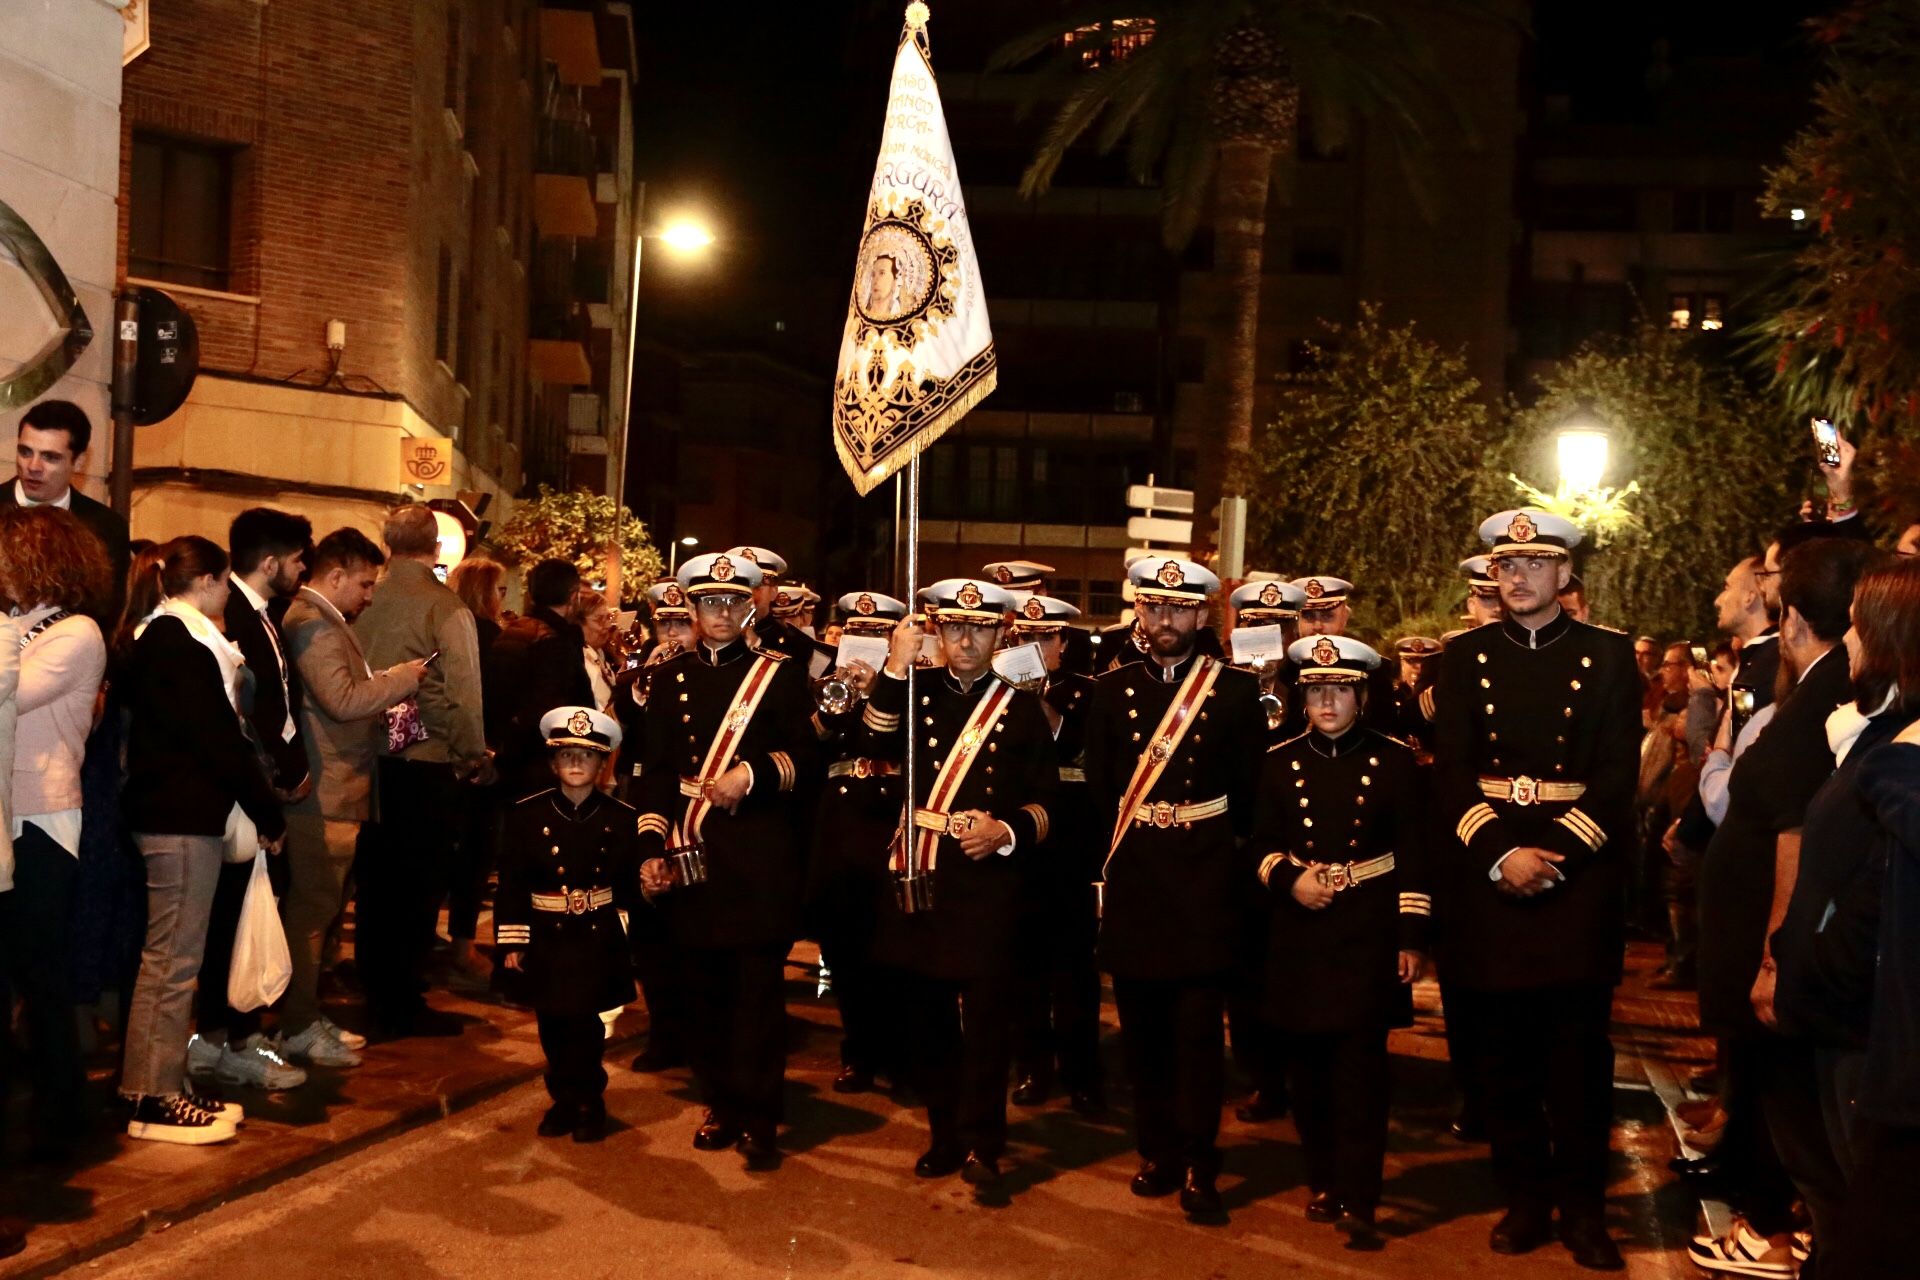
[(715, 1135), (760, 1151), (1356, 1224), (1323, 1207), (593, 1124), (652, 1059), (938, 1161), (559, 1121), (853, 1080), (1261, 1108), (1521, 1231), (1587, 1240), (1467, 1126), (1156, 1179), (1031, 1091), (981, 1171), (1201, 1199)]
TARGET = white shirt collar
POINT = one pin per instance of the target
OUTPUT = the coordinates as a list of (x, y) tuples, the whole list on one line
[(64, 501), (251, 596)]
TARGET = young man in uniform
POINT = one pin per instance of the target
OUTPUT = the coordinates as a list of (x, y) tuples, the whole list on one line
[(1537, 751), (1174, 743), (984, 777), (568, 868), (727, 742), (1059, 997)]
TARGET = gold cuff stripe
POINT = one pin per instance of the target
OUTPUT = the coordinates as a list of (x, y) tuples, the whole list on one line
[(509, 935), (1426, 703), (1472, 820), (879, 721), (1041, 823), (1268, 863), (653, 824), (784, 763), (1586, 828)]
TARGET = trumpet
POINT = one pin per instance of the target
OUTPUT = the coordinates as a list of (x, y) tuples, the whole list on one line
[(833, 695), (1268, 672)]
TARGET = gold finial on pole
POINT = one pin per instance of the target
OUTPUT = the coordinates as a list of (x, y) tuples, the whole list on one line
[(917, 15)]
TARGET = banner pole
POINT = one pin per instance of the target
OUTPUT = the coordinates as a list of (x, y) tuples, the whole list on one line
[(913, 582)]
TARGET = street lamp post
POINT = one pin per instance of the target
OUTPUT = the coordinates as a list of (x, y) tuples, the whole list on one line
[(1583, 444), (673, 550)]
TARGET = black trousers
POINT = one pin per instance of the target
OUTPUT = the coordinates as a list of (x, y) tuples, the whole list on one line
[(657, 963), (1057, 1000), (1761, 1191), (35, 927), (739, 1025), (1548, 1066), (401, 874), (473, 858), (1341, 1086), (1170, 1038), (1875, 1236), (962, 1044), (1790, 1099), (869, 995), (573, 1043), (1463, 1046), (211, 1012)]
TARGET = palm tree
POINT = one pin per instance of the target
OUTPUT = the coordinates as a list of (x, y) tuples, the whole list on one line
[(1207, 96)]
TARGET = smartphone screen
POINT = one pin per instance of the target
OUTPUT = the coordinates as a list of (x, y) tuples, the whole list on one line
[(1826, 438), (1699, 652)]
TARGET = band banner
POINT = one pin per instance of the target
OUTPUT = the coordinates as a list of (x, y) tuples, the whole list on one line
[(917, 352)]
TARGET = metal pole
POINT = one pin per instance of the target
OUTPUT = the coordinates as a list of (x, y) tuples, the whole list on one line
[(913, 577), (899, 484), (126, 354), (633, 344)]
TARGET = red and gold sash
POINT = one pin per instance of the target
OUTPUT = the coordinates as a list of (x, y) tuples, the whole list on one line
[(1165, 741), (929, 824), (726, 743)]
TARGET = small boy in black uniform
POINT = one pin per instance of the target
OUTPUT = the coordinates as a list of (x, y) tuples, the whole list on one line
[(568, 868)]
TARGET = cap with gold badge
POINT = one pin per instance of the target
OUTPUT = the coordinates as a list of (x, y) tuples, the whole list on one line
[(1042, 615), (1332, 659), (1478, 571), (869, 613), (793, 600), (1527, 532), (1323, 592), (1170, 580), (1416, 648), (1258, 604), (967, 600), (669, 599), (1018, 575), (718, 571), (581, 727), (772, 566)]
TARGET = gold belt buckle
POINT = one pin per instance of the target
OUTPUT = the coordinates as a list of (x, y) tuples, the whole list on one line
[(576, 902), (1525, 790), (862, 768), (1162, 814), (1337, 876), (958, 824)]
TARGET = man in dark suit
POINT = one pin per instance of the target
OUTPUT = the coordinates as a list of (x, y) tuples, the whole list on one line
[(267, 549), (54, 436)]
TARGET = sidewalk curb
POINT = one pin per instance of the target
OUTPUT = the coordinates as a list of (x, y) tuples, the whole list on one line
[(165, 1217)]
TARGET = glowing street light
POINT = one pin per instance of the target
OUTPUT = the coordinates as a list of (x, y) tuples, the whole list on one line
[(686, 236), (673, 551), (1583, 444)]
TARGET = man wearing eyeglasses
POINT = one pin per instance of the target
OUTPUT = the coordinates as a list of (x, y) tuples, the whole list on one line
[(1174, 745), (1537, 756), (727, 742), (984, 776)]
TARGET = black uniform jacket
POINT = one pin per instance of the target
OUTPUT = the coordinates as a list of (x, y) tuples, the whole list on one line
[(574, 962), (1175, 898), (978, 902), (1061, 916), (854, 824), (756, 857), (1342, 800), (1561, 705)]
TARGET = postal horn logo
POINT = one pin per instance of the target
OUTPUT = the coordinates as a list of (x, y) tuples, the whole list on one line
[(864, 605), (580, 725), (1002, 574), (968, 597), (1270, 594), (1170, 575), (424, 462), (672, 596), (1522, 529), (1326, 653), (722, 570), (784, 599), (1314, 589), (1034, 610)]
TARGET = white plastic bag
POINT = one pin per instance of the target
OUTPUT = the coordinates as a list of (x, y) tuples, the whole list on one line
[(262, 965)]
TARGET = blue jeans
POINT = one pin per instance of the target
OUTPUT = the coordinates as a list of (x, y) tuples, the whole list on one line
[(182, 872)]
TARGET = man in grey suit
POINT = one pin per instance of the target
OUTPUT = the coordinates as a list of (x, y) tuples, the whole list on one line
[(423, 784), (343, 724)]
